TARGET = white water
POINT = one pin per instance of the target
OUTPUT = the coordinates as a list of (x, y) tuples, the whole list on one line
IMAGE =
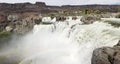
[(111, 20), (67, 42)]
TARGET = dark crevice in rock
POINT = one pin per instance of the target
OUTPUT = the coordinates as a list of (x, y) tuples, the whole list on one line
[(110, 59)]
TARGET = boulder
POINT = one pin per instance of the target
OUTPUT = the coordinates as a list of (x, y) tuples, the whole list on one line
[(106, 55), (88, 19), (118, 15), (13, 17), (60, 18)]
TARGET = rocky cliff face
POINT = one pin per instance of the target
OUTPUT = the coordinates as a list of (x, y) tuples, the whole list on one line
[(19, 23), (21, 17), (38, 7), (103, 8), (41, 7)]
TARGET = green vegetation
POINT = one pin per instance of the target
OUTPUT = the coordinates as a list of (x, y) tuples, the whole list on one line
[(89, 11), (5, 34), (5, 37), (73, 13)]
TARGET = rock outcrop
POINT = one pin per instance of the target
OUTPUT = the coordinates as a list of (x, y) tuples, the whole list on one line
[(107, 55), (21, 17), (88, 19), (19, 23), (41, 7), (118, 15), (38, 7)]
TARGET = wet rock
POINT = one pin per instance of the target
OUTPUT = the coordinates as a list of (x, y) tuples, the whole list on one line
[(88, 19), (102, 56), (61, 18), (23, 26), (20, 23), (118, 15), (106, 55), (9, 28), (107, 15), (13, 17), (38, 21)]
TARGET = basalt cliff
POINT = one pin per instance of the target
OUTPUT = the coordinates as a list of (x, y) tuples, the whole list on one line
[(21, 17)]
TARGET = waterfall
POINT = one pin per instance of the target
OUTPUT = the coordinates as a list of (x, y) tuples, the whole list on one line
[(67, 42)]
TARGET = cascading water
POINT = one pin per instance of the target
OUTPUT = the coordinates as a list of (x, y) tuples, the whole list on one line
[(67, 42)]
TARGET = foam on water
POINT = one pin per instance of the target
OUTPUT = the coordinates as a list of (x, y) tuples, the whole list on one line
[(66, 43)]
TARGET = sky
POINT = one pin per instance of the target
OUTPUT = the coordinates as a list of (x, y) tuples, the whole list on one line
[(65, 2)]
